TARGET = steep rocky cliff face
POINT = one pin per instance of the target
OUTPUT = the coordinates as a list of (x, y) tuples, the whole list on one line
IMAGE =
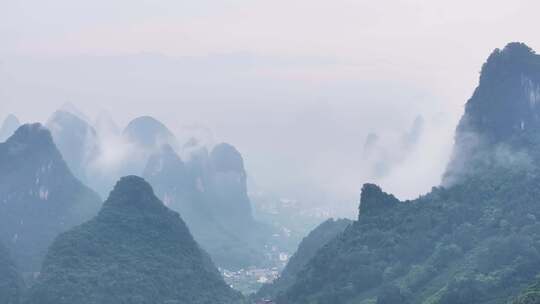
[(502, 118), (375, 201)]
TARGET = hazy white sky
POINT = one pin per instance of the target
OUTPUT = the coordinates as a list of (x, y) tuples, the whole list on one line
[(296, 85)]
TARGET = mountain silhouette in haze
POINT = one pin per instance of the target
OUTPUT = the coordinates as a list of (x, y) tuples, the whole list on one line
[(10, 124), (39, 195), (145, 136), (228, 187), (136, 250), (76, 139), (209, 190), (105, 126), (148, 133)]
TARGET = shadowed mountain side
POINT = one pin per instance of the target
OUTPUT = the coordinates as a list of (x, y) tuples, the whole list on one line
[(39, 196)]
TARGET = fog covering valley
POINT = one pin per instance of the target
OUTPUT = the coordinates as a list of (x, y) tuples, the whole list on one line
[(300, 152)]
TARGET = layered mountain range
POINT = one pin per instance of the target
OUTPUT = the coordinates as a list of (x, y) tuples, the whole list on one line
[(135, 237), (473, 239), (99, 153), (209, 190)]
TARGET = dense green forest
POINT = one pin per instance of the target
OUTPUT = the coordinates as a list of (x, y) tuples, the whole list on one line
[(135, 250)]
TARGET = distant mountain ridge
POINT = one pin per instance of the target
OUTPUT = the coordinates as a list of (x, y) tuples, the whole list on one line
[(100, 153), (209, 190), (149, 133), (135, 250), (76, 139), (144, 136)]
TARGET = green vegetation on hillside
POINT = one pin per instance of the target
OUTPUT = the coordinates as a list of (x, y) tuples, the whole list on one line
[(474, 240), (135, 250)]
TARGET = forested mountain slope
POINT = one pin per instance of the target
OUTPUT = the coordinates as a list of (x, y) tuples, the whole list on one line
[(135, 250), (11, 283), (476, 239)]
